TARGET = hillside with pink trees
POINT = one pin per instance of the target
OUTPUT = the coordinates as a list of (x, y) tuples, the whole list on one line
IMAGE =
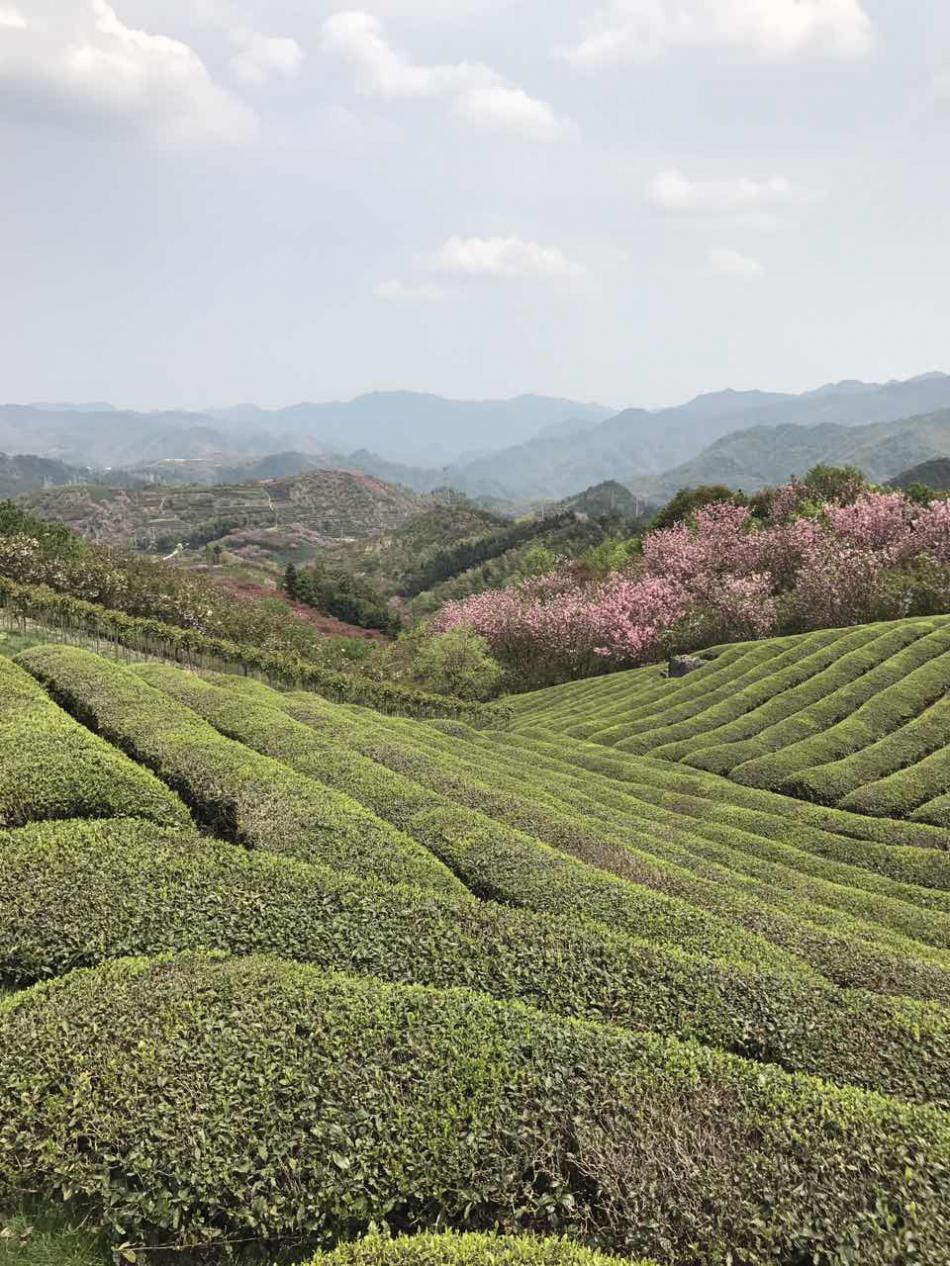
[(731, 572)]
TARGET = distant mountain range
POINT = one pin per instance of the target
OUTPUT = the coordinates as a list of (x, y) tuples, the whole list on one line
[(762, 455), (412, 427), (506, 452), (648, 450), (402, 427)]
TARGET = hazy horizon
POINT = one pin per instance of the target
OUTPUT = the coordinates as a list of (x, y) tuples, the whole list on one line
[(277, 406)]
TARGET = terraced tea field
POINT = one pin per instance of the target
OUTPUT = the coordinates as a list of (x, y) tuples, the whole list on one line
[(661, 966)]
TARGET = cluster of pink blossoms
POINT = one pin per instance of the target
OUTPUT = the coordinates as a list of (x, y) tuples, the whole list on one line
[(723, 577)]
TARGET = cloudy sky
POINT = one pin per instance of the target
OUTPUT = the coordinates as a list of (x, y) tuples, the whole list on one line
[(632, 201)]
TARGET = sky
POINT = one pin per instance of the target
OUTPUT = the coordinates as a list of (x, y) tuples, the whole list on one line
[(628, 201)]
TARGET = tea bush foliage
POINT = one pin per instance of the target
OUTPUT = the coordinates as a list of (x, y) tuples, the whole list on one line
[(231, 790), (292, 1106), (77, 894), (650, 967), (50, 767)]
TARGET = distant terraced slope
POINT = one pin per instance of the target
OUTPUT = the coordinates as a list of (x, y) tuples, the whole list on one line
[(854, 718), (327, 503)]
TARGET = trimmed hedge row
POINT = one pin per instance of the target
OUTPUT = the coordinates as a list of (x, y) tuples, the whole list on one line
[(51, 767), (231, 790), (76, 894), (514, 790), (495, 860), (912, 788), (471, 1249), (328, 1103), (38, 602), (781, 750), (689, 698), (819, 703), (638, 695), (827, 775), (847, 951), (895, 753), (922, 848), (796, 675)]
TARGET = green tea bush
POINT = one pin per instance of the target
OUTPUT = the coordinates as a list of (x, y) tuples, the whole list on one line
[(231, 790), (896, 754), (820, 701), (788, 739), (471, 1249), (564, 809), (773, 690), (688, 706), (76, 894), (198, 1100), (495, 860), (51, 767), (830, 776), (921, 848), (849, 951), (154, 637)]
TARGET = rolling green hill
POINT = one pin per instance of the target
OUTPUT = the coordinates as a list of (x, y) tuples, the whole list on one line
[(932, 474), (648, 958)]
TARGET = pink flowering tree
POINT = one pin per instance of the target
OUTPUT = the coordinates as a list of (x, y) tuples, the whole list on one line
[(725, 576)]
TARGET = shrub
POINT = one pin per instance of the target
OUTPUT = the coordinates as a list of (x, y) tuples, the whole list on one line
[(339, 593), (76, 894), (231, 790), (493, 839), (494, 859), (90, 620), (456, 663), (328, 1103), (50, 767), (473, 1249)]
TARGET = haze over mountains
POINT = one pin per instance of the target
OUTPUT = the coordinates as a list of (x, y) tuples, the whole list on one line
[(531, 448)]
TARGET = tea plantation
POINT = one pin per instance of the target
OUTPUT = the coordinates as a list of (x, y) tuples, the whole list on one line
[(645, 968)]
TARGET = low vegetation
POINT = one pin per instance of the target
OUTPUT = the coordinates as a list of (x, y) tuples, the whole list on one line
[(472, 1249), (330, 1102), (77, 894), (51, 767), (231, 790), (641, 965), (855, 719)]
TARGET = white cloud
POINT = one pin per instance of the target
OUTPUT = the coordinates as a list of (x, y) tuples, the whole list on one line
[(93, 70), (480, 94), (358, 38), (12, 18), (511, 109), (261, 56), (403, 292), (640, 30), (941, 84), (504, 258), (724, 262), (672, 191)]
